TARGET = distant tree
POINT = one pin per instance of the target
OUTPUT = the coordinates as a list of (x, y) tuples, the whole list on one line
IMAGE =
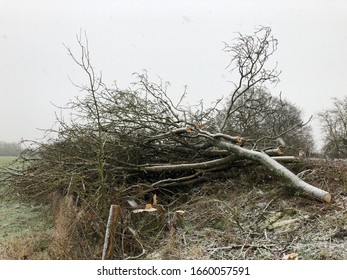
[(9, 149), (251, 111), (264, 118), (334, 127)]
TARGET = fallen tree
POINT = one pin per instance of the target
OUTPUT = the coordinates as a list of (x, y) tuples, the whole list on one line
[(125, 144), (278, 169), (236, 153)]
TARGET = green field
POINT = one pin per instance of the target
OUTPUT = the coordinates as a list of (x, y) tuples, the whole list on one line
[(4, 160), (22, 225)]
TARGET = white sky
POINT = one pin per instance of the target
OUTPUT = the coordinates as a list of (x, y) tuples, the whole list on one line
[(180, 41)]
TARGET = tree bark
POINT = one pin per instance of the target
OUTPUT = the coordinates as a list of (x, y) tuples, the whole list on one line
[(277, 168), (188, 166), (110, 231)]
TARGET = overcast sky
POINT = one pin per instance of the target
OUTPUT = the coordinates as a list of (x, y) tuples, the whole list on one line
[(180, 41)]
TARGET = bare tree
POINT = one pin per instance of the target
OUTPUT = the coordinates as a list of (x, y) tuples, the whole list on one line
[(265, 119), (334, 126), (249, 57)]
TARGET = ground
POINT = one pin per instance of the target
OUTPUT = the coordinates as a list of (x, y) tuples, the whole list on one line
[(22, 225), (249, 214)]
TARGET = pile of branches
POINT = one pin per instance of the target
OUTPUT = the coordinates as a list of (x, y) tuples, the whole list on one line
[(121, 145)]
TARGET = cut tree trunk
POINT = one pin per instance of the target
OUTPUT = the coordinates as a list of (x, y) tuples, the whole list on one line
[(275, 167), (115, 212), (232, 148), (188, 166)]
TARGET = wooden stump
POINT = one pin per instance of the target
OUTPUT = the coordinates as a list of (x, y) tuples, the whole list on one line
[(115, 212)]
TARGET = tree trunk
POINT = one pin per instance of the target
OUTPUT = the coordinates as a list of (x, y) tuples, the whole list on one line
[(276, 167), (110, 231)]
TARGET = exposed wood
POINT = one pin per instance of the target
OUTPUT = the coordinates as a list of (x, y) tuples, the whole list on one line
[(274, 152), (233, 139), (115, 212), (287, 159)]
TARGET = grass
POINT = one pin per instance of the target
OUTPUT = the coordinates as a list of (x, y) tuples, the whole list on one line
[(5, 160), (24, 228)]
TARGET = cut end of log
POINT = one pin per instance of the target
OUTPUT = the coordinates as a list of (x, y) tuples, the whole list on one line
[(240, 140), (280, 151), (327, 198)]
